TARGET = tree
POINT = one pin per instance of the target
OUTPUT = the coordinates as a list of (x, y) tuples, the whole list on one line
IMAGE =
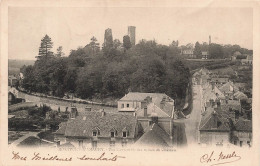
[(174, 43), (126, 42), (216, 51), (197, 50), (117, 43), (94, 45), (46, 46), (59, 52)]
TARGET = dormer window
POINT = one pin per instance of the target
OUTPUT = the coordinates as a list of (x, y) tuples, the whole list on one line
[(95, 132), (112, 134), (124, 134)]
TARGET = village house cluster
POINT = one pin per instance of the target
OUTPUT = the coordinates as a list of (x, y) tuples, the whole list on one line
[(143, 119), (225, 119)]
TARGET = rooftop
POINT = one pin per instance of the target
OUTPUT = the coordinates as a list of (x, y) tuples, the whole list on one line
[(213, 121), (243, 125), (154, 136), (84, 124)]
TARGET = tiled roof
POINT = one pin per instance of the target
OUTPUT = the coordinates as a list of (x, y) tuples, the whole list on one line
[(153, 110), (67, 145), (154, 137), (62, 128), (243, 125), (240, 95), (226, 87), (209, 92), (84, 124), (233, 104), (136, 96), (219, 79), (213, 121)]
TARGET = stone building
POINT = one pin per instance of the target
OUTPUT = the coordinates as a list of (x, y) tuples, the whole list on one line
[(92, 129), (131, 34), (108, 38)]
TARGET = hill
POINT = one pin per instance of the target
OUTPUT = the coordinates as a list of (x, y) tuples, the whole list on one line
[(14, 65)]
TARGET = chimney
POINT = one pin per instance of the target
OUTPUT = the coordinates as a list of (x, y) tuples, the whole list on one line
[(214, 120), (145, 111), (162, 104), (212, 85), (87, 108), (73, 112), (103, 113)]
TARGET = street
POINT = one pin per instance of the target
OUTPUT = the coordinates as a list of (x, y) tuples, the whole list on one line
[(193, 120)]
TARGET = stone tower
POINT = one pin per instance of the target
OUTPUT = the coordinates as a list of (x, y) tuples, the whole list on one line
[(108, 38), (131, 34)]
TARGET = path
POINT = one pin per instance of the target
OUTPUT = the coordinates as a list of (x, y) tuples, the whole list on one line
[(193, 119)]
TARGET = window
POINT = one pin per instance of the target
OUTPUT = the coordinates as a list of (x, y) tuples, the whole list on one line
[(94, 144), (122, 106), (124, 134), (95, 132), (112, 134), (127, 105), (241, 143)]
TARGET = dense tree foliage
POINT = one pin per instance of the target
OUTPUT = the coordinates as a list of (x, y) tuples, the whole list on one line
[(216, 51), (145, 67)]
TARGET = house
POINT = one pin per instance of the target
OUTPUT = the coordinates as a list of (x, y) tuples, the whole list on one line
[(229, 89), (212, 96), (234, 105), (12, 99), (201, 76), (219, 81), (92, 129), (135, 100), (205, 54), (150, 108), (12, 80), (240, 96), (214, 128), (242, 135), (248, 60), (188, 53)]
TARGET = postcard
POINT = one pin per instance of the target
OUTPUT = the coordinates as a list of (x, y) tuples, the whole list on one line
[(129, 82)]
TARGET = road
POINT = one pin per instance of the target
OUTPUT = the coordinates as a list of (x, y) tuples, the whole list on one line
[(29, 134), (193, 120), (55, 104)]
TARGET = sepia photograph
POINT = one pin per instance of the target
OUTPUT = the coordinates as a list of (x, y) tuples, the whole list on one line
[(113, 79)]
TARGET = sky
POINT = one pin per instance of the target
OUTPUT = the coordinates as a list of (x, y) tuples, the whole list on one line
[(74, 27)]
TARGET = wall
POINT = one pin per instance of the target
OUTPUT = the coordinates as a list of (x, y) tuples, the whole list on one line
[(211, 138), (101, 142), (243, 138), (132, 105)]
